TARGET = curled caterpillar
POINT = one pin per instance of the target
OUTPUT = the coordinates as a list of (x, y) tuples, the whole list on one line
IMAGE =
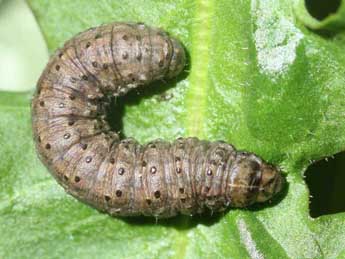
[(122, 177)]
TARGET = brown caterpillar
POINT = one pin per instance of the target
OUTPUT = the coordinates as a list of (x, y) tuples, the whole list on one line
[(122, 177)]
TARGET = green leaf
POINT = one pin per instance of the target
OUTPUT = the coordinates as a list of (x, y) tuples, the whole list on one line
[(258, 78)]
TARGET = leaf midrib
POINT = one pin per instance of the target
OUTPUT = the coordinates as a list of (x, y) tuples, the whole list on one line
[(196, 97)]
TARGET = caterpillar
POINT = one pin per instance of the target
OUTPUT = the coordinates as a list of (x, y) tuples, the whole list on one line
[(120, 176)]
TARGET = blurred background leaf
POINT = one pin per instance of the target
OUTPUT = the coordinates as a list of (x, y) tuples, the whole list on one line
[(23, 51)]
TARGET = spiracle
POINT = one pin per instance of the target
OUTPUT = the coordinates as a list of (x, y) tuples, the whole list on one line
[(122, 177)]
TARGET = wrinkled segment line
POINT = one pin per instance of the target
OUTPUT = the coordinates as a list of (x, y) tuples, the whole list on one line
[(247, 240), (197, 93)]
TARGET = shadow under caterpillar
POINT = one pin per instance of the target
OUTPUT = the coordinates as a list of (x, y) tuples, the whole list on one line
[(122, 177)]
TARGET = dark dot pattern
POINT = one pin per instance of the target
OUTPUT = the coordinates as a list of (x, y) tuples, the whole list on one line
[(122, 177), (88, 159), (121, 171), (118, 193), (153, 170), (157, 194)]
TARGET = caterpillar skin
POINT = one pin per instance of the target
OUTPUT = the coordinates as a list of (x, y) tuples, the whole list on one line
[(122, 177)]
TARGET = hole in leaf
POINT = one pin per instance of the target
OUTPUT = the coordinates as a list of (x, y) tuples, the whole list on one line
[(320, 9), (325, 180)]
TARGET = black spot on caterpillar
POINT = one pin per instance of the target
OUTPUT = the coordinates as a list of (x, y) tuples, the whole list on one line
[(122, 177)]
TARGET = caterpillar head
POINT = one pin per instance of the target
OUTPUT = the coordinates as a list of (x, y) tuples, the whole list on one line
[(253, 180), (178, 59), (271, 182)]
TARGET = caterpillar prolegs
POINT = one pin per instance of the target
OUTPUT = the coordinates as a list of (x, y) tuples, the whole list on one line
[(122, 177)]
